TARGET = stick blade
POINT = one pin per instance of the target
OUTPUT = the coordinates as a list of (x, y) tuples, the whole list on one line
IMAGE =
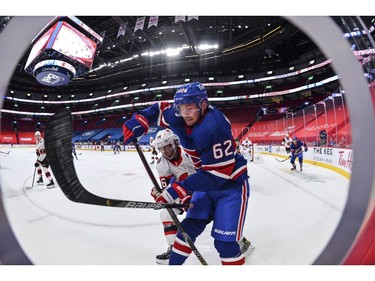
[(58, 143)]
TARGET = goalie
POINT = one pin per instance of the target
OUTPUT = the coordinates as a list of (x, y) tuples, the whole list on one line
[(246, 149)]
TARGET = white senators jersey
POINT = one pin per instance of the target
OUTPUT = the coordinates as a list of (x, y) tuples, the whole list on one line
[(247, 143), (152, 144), (287, 141), (180, 168), (41, 149)]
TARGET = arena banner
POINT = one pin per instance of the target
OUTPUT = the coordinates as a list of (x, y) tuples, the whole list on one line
[(334, 158)]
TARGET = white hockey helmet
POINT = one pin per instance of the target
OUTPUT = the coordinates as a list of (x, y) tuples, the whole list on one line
[(165, 142), (164, 137), (287, 135), (38, 134)]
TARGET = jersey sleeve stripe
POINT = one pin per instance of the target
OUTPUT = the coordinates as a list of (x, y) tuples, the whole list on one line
[(220, 175), (160, 120), (220, 164), (220, 171), (192, 152), (238, 172)]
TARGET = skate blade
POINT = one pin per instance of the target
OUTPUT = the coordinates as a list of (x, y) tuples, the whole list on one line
[(162, 262), (249, 251)]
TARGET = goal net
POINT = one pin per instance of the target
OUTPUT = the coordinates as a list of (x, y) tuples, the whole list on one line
[(256, 155)]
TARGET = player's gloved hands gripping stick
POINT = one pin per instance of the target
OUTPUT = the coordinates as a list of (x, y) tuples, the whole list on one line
[(135, 128)]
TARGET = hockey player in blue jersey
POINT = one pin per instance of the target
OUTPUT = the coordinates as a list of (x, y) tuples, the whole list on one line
[(220, 185), (296, 148)]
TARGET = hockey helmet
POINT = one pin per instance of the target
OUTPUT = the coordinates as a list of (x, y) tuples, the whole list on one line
[(163, 139), (37, 134), (188, 94), (294, 138)]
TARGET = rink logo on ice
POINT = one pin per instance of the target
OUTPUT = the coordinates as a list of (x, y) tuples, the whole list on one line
[(222, 232)]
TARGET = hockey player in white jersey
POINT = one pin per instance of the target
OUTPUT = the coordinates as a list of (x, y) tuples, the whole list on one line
[(175, 164), (286, 142), (246, 149), (41, 161), (154, 153)]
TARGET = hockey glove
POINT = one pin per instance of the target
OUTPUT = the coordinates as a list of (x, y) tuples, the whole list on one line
[(172, 193), (155, 193), (36, 165), (135, 128), (305, 149), (186, 201), (37, 152)]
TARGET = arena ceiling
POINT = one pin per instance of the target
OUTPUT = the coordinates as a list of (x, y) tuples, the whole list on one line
[(244, 45)]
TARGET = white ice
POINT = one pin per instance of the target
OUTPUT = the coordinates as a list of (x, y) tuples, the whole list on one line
[(291, 214)]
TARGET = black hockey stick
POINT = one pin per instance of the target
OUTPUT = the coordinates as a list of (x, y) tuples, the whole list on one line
[(170, 211), (282, 160), (5, 152), (32, 184), (58, 136)]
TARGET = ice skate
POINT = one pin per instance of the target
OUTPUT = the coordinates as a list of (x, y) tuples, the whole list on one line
[(164, 257), (40, 181), (300, 168), (293, 168), (51, 185), (246, 247)]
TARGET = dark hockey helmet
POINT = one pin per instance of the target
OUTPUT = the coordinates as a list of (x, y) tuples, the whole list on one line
[(188, 94)]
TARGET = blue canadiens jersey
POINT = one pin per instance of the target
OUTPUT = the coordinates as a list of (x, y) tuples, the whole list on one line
[(210, 145), (296, 148)]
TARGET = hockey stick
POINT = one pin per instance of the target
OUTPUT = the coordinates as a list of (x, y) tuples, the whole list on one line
[(5, 152), (170, 211), (282, 160), (32, 184), (58, 135)]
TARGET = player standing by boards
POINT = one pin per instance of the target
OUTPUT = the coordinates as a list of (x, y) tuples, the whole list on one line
[(296, 149), (220, 184), (154, 153), (246, 149), (286, 142), (41, 161), (74, 150), (175, 164)]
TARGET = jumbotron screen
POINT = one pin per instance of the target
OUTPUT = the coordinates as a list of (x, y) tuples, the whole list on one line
[(72, 43), (67, 40)]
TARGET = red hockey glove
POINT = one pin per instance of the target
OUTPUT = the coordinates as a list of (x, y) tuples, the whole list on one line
[(155, 193), (172, 193), (186, 201), (134, 128)]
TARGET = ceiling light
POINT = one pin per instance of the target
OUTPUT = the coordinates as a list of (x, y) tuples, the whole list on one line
[(172, 52)]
